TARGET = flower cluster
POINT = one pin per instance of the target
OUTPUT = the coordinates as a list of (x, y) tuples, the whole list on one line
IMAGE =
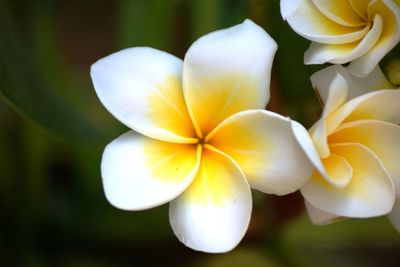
[(201, 139), (355, 145)]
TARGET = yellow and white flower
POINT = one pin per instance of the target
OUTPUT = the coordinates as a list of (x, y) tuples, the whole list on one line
[(358, 31), (200, 135), (355, 146)]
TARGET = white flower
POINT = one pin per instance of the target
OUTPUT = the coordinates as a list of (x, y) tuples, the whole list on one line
[(200, 135), (358, 31), (355, 146)]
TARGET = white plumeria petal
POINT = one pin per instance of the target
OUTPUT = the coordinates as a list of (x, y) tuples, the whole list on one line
[(227, 71), (369, 193), (360, 7), (337, 95), (305, 19), (213, 214), (379, 105), (380, 137), (141, 87), (390, 37), (140, 173), (322, 80), (340, 12), (343, 53), (263, 145), (321, 217), (394, 215)]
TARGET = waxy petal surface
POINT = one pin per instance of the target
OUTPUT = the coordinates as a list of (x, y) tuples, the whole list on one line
[(305, 19), (390, 14), (321, 217), (369, 193), (263, 145), (227, 71), (140, 173), (382, 138), (321, 81), (142, 88), (213, 214)]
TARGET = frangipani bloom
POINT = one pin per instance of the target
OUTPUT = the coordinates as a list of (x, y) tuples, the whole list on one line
[(200, 135), (355, 147), (358, 31)]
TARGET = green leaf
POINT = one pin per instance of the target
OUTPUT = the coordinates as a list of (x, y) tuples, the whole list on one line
[(24, 87)]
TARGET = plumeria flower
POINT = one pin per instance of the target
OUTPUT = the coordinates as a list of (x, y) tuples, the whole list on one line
[(355, 146), (200, 138), (358, 31)]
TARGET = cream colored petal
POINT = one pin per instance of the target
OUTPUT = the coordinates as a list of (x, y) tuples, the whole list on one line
[(379, 105), (356, 86), (227, 71), (340, 12), (390, 37), (344, 53), (369, 193), (141, 87), (140, 173), (338, 170), (394, 215), (320, 217), (360, 7), (213, 214), (309, 22), (263, 145), (380, 137), (337, 94)]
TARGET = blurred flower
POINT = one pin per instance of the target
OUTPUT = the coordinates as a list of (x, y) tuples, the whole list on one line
[(362, 32), (201, 138), (354, 147)]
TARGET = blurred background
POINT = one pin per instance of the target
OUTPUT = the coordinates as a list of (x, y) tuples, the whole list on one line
[(53, 130)]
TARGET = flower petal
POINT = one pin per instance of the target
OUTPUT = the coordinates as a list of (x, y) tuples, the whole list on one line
[(321, 81), (321, 217), (380, 137), (227, 71), (263, 145), (337, 95), (394, 215), (360, 7), (213, 214), (338, 171), (305, 19), (370, 192), (390, 36), (344, 53), (140, 172), (141, 87), (340, 12), (378, 105)]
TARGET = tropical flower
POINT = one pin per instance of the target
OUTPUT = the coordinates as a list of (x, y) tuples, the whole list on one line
[(200, 135), (355, 146), (358, 31)]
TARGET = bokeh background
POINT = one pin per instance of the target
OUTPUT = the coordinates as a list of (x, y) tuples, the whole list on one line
[(53, 129)]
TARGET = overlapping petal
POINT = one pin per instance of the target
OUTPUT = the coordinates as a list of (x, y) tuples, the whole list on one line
[(141, 87), (214, 212), (394, 215), (140, 172), (305, 19), (321, 217), (357, 31), (369, 193), (322, 80), (263, 145), (390, 14), (227, 71), (381, 137)]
